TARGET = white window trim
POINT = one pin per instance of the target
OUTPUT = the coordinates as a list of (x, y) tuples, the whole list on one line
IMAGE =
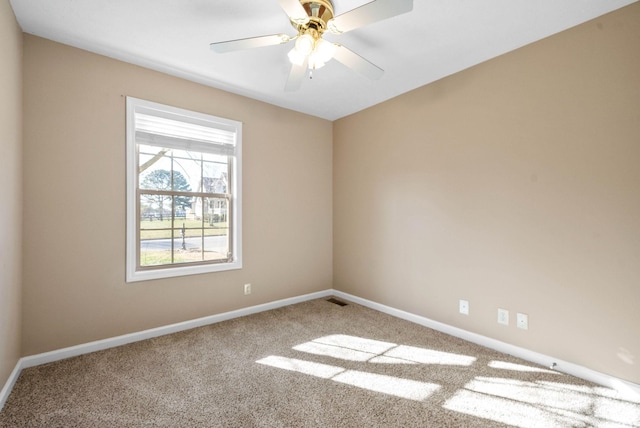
[(132, 273)]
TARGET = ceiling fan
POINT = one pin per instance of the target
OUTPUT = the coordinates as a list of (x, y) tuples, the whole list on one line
[(311, 18)]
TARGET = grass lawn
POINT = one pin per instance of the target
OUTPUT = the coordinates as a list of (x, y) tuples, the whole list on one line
[(155, 258)]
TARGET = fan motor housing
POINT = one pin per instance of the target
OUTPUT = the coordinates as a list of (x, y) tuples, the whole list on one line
[(319, 11)]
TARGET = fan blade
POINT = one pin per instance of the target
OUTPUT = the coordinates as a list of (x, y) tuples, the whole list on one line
[(295, 11), (356, 62), (252, 42), (368, 13), (296, 75)]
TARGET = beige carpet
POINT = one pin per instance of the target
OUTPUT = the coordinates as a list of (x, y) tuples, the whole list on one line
[(314, 364)]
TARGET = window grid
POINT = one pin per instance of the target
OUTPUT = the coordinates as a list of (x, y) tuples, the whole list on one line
[(173, 229)]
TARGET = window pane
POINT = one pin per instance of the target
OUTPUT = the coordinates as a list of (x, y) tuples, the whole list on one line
[(149, 156), (182, 206), (154, 168), (216, 171), (216, 248), (155, 252), (187, 248), (216, 229), (216, 215), (186, 172), (155, 211)]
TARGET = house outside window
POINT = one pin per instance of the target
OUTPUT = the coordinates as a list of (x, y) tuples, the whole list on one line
[(183, 192)]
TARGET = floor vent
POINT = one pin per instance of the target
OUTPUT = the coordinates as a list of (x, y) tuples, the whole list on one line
[(337, 302)]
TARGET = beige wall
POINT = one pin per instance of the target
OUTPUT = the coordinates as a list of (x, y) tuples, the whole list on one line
[(74, 234), (10, 189), (513, 184)]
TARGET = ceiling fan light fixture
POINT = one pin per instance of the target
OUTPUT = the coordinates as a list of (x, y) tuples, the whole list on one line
[(305, 44), (295, 57), (315, 62), (324, 50)]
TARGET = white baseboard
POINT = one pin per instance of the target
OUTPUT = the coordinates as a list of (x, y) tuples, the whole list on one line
[(98, 345), (8, 386), (531, 356), (525, 354)]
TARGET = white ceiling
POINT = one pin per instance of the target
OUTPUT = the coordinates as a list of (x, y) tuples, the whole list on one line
[(436, 39)]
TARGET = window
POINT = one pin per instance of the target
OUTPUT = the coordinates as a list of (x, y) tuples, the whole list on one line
[(183, 192)]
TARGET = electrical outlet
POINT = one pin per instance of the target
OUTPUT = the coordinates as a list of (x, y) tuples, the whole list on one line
[(464, 307), (503, 316), (247, 289), (523, 321)]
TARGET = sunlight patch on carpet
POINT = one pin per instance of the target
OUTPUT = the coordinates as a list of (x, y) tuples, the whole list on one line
[(540, 403), (358, 349), (429, 356), (403, 388), (356, 343), (333, 351), (390, 385), (500, 410), (323, 371), (352, 348)]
